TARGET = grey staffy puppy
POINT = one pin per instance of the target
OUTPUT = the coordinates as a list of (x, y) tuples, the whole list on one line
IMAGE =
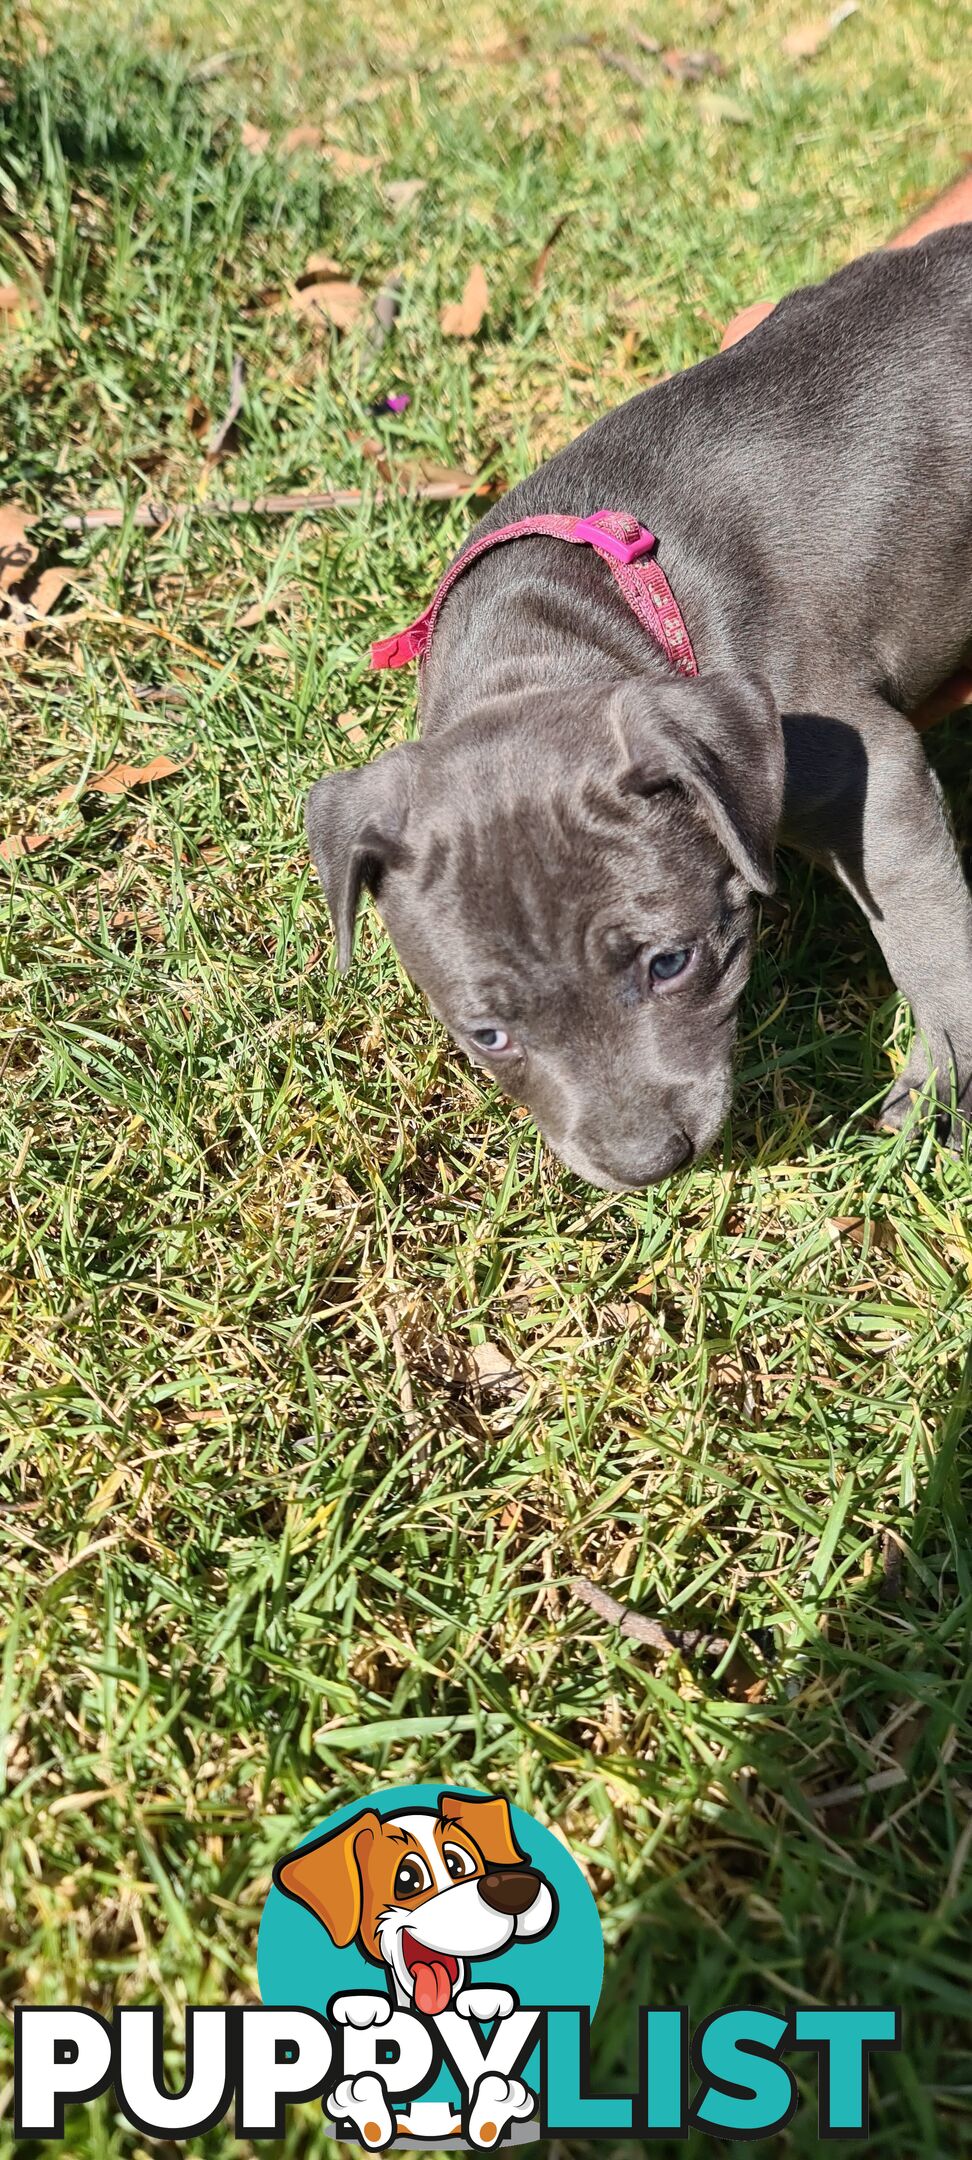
[(565, 860)]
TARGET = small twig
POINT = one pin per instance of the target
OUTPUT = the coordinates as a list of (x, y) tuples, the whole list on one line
[(654, 1632), (154, 514), (218, 439)]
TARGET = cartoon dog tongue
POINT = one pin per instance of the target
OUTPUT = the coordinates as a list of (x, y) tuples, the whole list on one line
[(433, 1987)]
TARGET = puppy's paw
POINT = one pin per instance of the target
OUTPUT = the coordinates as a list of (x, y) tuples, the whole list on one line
[(361, 2010), (363, 2101), (484, 2003), (496, 2103), (911, 1105)]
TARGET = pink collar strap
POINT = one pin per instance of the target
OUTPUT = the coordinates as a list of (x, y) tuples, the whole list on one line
[(626, 547)]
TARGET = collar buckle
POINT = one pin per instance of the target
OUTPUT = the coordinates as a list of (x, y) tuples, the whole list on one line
[(613, 532)]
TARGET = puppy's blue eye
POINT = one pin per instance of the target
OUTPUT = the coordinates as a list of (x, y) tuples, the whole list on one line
[(665, 967), (492, 1040)]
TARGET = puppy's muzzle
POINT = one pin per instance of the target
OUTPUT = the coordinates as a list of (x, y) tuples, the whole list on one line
[(509, 1891)]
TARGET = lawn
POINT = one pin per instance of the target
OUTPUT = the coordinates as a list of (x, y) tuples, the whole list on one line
[(322, 1381)]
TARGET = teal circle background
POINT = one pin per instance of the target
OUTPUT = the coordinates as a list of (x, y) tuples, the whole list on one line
[(297, 1963)]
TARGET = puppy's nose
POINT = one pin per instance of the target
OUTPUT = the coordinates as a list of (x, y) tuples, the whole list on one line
[(511, 1892)]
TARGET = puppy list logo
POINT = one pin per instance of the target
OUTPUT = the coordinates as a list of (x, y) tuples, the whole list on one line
[(429, 1963), (417, 1924)]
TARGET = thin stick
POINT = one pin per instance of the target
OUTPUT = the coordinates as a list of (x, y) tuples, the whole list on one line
[(157, 513), (654, 1632)]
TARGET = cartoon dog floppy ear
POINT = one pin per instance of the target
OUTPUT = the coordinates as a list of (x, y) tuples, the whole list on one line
[(326, 1876), (489, 1824)]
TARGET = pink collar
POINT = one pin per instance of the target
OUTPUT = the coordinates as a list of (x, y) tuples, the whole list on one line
[(628, 550)]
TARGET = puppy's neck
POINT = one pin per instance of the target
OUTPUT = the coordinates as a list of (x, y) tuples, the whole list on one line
[(552, 619)]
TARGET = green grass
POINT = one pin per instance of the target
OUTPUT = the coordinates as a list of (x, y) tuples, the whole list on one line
[(267, 1539)]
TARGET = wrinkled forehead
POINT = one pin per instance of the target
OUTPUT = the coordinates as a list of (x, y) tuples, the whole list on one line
[(509, 882)]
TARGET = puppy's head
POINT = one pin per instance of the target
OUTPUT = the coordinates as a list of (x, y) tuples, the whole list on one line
[(567, 876), (422, 1893)]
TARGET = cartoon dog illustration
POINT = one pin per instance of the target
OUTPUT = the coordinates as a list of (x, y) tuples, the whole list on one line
[(423, 1894)]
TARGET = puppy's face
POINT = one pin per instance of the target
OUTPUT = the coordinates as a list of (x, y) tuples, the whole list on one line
[(423, 1893), (568, 879)]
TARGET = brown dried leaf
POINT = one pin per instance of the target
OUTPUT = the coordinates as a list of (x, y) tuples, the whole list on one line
[(317, 267), (493, 1367), (335, 301), (12, 305), (305, 136), (806, 40), (384, 310), (18, 844), (16, 552), (349, 164), (48, 588), (691, 66), (867, 1231), (276, 604), (401, 194), (254, 139), (462, 318), (621, 1314), (119, 779), (351, 727), (424, 472)]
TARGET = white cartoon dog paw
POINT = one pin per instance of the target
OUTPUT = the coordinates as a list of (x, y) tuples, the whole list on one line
[(364, 2102), (485, 2003), (496, 2103), (361, 2010)]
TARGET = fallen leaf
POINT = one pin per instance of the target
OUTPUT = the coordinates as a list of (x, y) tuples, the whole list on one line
[(401, 194), (423, 473), (46, 589), (220, 440), (305, 136), (10, 300), (335, 301), (317, 267), (506, 49), (18, 844), (867, 1231), (351, 727), (493, 1367), (349, 164), (721, 111), (197, 415), (119, 779), (647, 44), (16, 552), (691, 66), (272, 604), (254, 139), (624, 1313), (805, 41), (462, 318), (384, 310), (539, 268)]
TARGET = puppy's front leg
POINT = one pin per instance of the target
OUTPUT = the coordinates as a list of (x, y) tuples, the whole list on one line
[(861, 798)]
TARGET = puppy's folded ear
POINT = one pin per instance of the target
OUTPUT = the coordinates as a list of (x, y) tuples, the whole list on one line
[(355, 822), (489, 1824), (326, 1876), (720, 740)]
